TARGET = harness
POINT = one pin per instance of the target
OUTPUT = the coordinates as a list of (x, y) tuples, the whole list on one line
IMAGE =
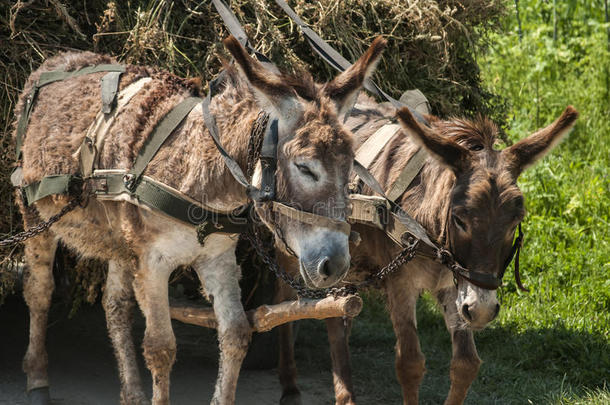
[(404, 225), (131, 185)]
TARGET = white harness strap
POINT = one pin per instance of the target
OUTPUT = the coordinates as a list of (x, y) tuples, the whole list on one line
[(97, 131), (370, 149)]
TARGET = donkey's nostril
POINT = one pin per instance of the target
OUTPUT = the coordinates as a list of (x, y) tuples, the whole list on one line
[(324, 268), (466, 312), (496, 311)]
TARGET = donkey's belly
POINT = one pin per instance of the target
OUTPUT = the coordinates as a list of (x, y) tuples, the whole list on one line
[(94, 231)]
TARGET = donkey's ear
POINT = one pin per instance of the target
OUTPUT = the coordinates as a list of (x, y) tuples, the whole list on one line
[(527, 151), (344, 88), (270, 90), (445, 150)]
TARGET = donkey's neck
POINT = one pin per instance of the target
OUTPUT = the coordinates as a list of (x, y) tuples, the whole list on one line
[(427, 198), (192, 164)]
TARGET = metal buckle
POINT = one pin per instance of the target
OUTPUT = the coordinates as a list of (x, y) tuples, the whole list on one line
[(130, 182)]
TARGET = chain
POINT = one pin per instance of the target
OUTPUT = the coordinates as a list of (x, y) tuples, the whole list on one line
[(41, 227), (404, 256)]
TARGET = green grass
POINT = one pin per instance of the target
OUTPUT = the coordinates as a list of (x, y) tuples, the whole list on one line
[(552, 345)]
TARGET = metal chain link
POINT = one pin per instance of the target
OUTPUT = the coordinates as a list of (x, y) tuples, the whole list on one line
[(41, 227), (404, 256)]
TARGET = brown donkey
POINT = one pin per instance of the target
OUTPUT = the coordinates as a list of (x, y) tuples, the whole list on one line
[(143, 246), (467, 198)]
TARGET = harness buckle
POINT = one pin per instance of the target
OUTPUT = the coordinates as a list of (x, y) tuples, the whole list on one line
[(409, 240), (130, 180)]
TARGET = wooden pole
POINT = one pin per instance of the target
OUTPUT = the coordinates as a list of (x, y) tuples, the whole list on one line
[(267, 317)]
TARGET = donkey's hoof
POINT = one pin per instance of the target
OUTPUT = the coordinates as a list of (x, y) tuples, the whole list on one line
[(39, 396), (293, 398)]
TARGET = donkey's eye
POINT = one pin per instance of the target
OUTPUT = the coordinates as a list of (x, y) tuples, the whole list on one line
[(459, 223), (306, 171), (477, 147)]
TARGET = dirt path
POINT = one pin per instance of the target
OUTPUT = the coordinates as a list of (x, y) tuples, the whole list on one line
[(82, 368)]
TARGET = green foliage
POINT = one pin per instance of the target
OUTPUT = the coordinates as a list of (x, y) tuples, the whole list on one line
[(561, 330)]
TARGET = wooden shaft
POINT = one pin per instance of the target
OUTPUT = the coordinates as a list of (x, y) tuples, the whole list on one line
[(267, 317)]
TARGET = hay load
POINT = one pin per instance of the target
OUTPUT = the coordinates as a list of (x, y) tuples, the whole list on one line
[(432, 46)]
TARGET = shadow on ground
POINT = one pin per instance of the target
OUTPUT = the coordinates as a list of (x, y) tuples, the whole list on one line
[(538, 365), (82, 368)]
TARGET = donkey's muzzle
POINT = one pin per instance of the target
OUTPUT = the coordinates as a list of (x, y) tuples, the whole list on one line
[(478, 314), (331, 269), (325, 259)]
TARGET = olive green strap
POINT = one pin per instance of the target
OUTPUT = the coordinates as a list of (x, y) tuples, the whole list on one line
[(161, 132), (50, 185), (47, 78), (56, 75), (407, 175), (162, 198), (110, 87)]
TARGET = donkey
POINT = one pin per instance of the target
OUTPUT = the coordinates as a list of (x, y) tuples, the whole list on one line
[(467, 198), (142, 246)]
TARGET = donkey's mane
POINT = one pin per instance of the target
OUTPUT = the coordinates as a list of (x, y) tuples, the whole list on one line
[(478, 132)]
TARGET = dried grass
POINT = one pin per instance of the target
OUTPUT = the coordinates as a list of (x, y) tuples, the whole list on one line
[(432, 46)]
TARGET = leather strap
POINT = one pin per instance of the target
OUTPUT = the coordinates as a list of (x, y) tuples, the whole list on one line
[(210, 123), (406, 176), (309, 218), (268, 159), (161, 132), (237, 31), (370, 149), (47, 78)]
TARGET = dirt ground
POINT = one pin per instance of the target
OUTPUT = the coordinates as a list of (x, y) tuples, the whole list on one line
[(82, 367)]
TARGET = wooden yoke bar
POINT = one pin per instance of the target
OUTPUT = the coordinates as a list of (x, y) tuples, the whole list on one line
[(267, 317)]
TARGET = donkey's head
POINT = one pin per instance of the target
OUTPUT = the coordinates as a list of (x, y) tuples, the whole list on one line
[(314, 158), (485, 204)]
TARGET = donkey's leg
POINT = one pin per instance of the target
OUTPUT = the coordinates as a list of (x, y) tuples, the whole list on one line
[(118, 304), (219, 274), (465, 361), (287, 367), (150, 285), (410, 361), (37, 291), (338, 337)]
